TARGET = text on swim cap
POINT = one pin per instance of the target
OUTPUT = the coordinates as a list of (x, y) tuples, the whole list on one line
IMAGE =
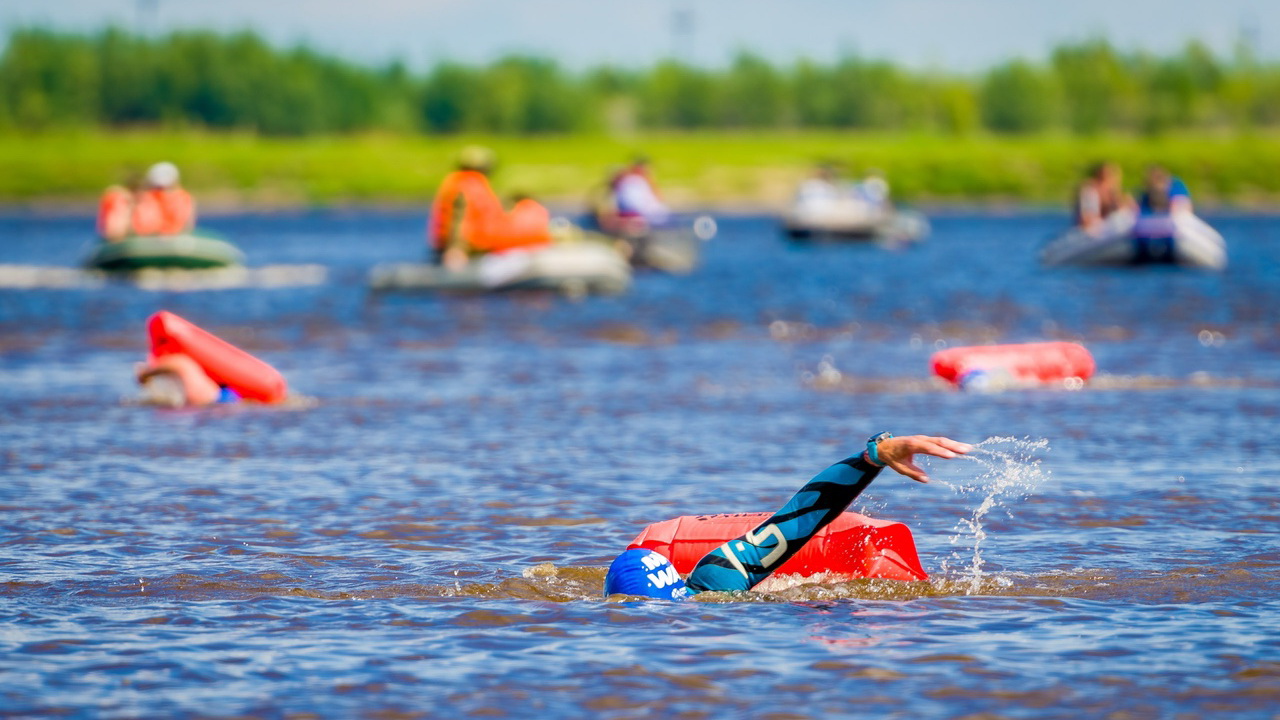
[(653, 560)]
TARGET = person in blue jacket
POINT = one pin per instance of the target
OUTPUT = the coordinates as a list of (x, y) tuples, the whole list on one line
[(1163, 193), (744, 562)]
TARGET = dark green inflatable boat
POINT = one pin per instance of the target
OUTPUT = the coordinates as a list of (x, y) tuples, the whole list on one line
[(182, 252)]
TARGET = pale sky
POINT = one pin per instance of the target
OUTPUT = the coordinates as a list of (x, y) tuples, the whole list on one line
[(963, 35)]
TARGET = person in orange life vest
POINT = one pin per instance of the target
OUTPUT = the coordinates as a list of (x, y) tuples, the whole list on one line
[(115, 212), (467, 218), (163, 207)]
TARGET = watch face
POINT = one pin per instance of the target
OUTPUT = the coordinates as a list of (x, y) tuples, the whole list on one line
[(880, 437)]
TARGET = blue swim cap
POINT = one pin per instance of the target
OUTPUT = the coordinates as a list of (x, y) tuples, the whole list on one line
[(639, 571)]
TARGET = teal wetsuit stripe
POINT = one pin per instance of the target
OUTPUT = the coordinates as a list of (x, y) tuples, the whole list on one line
[(743, 562)]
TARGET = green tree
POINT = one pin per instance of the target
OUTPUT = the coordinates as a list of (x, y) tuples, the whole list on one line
[(815, 96), (447, 105), (753, 95), (677, 96), (1097, 91), (1017, 98), (48, 79)]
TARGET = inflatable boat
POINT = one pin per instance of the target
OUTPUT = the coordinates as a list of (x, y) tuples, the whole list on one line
[(673, 248), (670, 250), (1127, 239), (850, 218), (853, 545), (579, 268), (189, 252)]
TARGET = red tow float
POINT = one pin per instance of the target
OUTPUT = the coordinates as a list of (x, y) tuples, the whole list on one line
[(1025, 364), (223, 363), (853, 545)]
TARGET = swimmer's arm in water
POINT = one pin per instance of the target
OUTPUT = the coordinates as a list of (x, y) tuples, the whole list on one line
[(742, 563)]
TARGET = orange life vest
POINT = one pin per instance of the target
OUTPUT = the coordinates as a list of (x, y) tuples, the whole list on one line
[(160, 211), (466, 208), (115, 213)]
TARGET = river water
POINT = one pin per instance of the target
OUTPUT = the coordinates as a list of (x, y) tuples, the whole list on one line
[(424, 532)]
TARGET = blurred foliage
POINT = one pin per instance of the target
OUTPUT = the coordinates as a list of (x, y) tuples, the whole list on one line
[(114, 79), (252, 123), (747, 169)]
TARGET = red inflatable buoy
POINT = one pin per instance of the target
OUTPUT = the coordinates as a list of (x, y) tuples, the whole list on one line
[(1046, 362), (852, 544), (225, 363)]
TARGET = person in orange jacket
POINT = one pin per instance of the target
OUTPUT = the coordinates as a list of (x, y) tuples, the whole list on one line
[(467, 218), (160, 207), (163, 207), (115, 212)]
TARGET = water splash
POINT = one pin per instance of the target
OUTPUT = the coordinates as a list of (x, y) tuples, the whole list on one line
[(1012, 472)]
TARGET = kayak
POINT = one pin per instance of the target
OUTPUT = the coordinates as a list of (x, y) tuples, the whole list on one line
[(852, 219), (579, 268), (189, 252), (1127, 239)]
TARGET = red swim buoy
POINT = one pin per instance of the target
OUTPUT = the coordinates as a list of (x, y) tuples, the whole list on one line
[(225, 363), (1027, 363), (852, 544)]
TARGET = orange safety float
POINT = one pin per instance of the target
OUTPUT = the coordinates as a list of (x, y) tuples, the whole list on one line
[(224, 363), (852, 544), (1027, 363)]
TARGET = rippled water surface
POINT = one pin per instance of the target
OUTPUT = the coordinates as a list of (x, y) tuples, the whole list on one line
[(424, 532)]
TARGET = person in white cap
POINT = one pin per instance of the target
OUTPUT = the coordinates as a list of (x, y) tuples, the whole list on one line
[(156, 206), (163, 207)]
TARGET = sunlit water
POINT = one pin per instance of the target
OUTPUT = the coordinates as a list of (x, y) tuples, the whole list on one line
[(424, 533)]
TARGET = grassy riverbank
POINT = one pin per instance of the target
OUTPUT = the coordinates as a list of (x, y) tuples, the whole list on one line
[(755, 170)]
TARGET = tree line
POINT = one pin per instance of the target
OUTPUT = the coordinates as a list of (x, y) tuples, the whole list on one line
[(115, 79)]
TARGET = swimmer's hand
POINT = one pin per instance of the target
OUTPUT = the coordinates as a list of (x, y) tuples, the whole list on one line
[(899, 453)]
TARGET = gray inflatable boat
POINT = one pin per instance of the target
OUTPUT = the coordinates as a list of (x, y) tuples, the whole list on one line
[(1127, 239), (575, 269)]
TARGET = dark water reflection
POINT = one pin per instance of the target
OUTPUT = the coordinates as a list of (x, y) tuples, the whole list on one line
[(426, 535)]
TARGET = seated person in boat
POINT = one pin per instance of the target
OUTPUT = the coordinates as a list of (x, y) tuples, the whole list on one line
[(1100, 195), (874, 190), (468, 219), (1164, 193), (822, 186), (157, 206), (636, 201), (825, 187), (741, 564)]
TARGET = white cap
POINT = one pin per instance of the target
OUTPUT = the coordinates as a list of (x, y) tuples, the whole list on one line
[(162, 175)]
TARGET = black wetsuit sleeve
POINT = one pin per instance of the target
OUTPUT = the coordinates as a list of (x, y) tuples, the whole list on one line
[(743, 562)]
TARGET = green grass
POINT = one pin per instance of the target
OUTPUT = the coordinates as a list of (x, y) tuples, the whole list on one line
[(702, 169)]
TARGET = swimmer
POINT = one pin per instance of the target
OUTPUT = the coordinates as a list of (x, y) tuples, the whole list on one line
[(177, 381), (741, 564)]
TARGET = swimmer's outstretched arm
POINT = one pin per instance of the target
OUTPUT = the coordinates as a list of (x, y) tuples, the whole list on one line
[(742, 563)]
